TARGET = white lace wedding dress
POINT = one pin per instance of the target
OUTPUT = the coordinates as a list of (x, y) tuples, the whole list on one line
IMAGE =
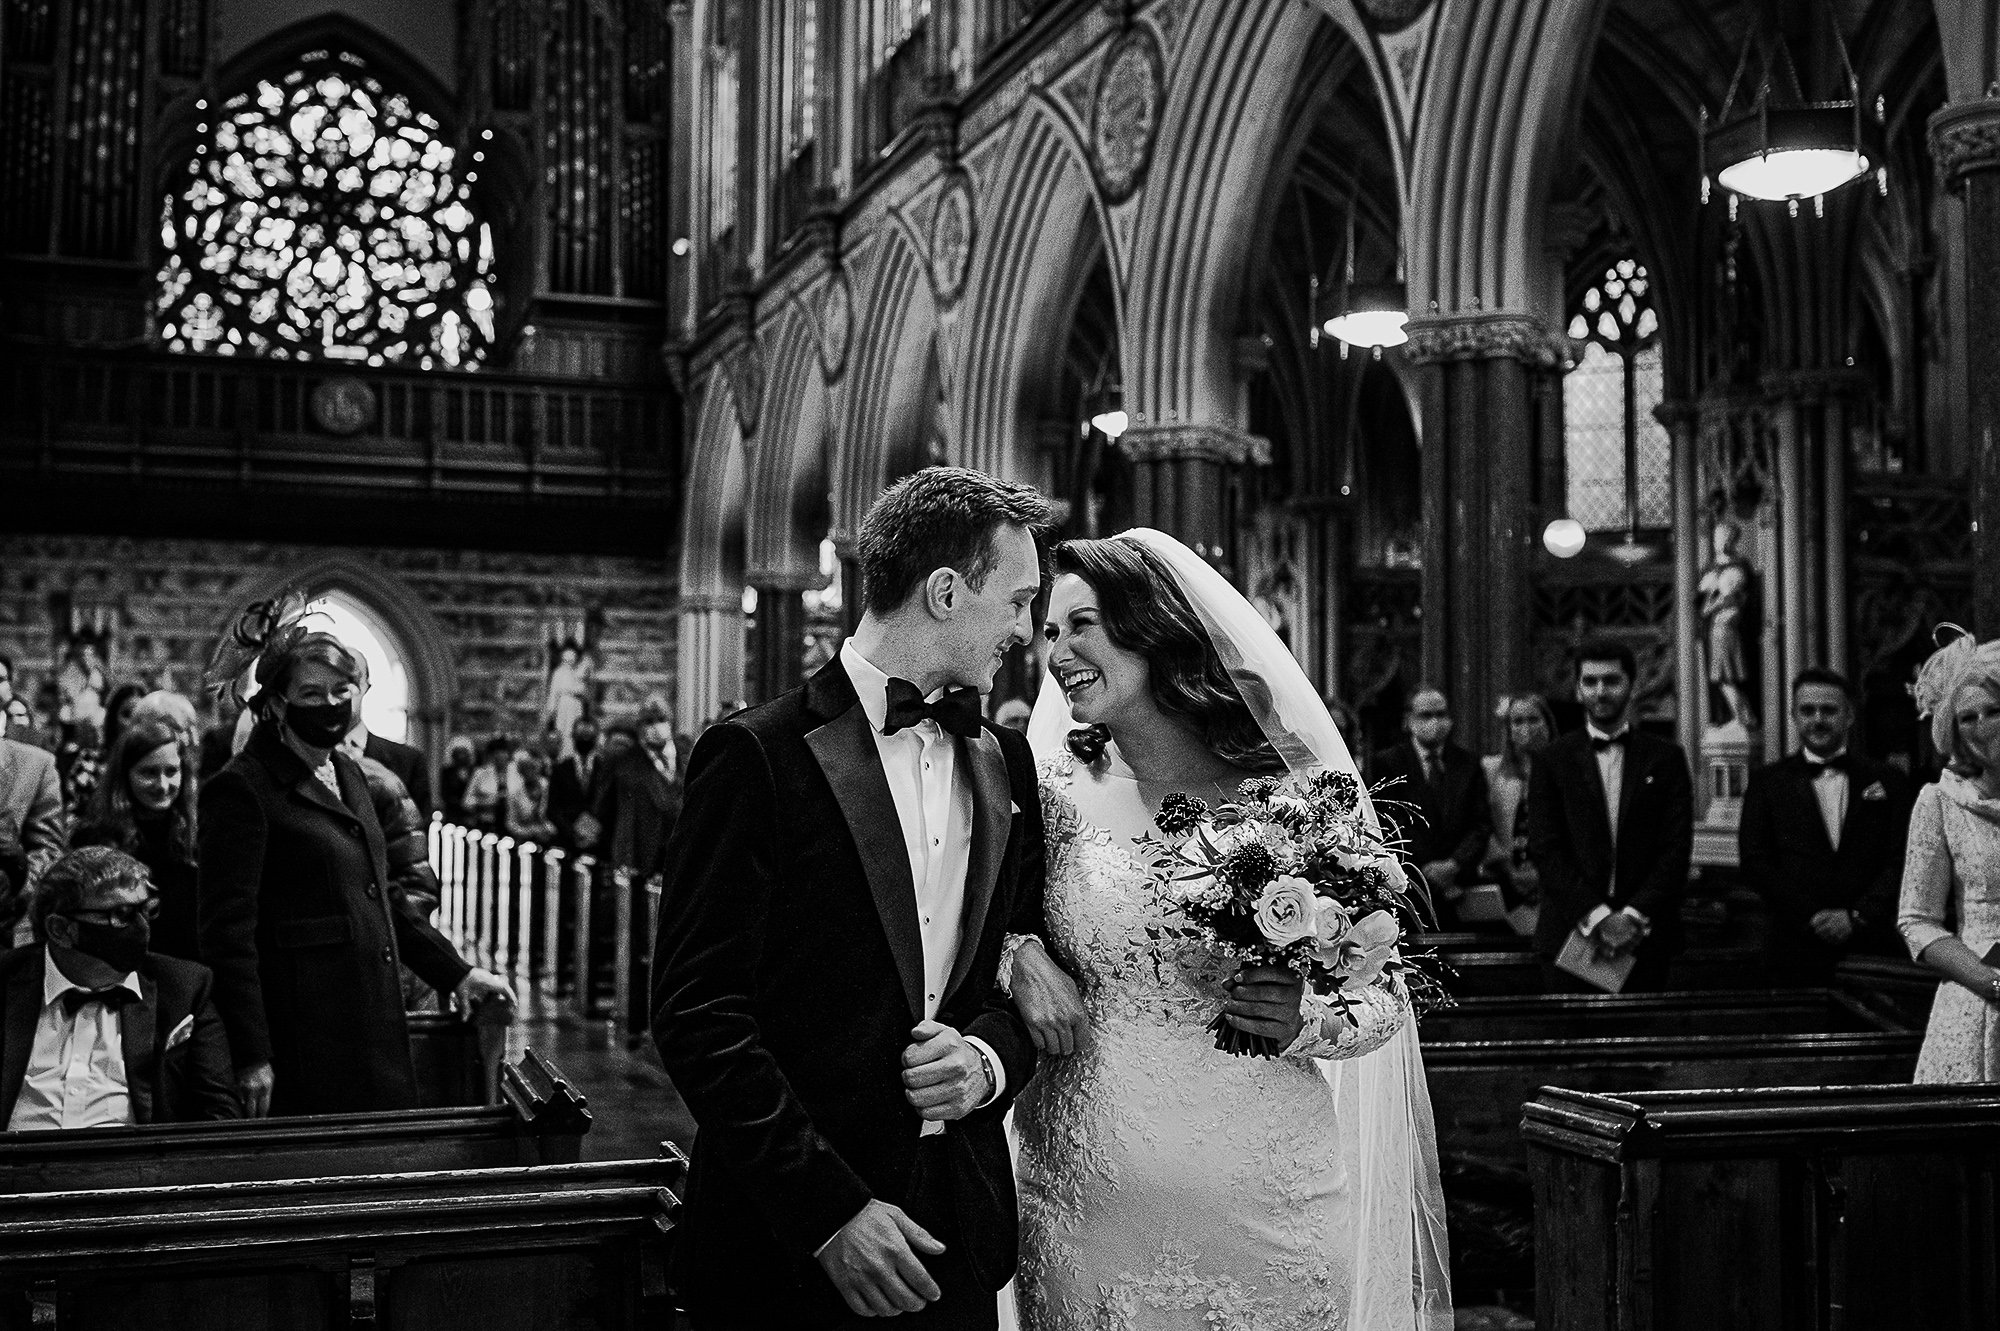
[(1165, 1184)]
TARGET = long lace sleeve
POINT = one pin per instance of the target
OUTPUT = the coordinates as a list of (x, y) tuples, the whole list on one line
[(1371, 1019), (1927, 876)]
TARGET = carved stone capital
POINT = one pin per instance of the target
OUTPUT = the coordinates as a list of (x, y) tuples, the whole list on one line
[(1965, 137), (1484, 336), (1195, 443), (1812, 385), (783, 579)]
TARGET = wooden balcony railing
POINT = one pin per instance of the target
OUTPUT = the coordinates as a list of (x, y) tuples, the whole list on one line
[(83, 417)]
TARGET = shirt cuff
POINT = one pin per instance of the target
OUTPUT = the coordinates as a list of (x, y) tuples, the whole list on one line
[(1590, 922), (1644, 923), (999, 1069), (836, 1234)]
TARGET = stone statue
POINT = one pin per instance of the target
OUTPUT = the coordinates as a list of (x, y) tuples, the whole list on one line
[(569, 692), (1725, 590)]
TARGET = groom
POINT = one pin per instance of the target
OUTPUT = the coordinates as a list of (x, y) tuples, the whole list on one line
[(837, 893)]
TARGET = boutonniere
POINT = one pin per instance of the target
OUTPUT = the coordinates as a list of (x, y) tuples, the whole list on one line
[(1875, 792)]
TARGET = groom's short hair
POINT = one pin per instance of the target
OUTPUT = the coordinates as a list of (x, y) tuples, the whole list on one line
[(940, 517)]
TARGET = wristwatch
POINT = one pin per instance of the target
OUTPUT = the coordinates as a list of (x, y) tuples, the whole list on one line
[(993, 1082)]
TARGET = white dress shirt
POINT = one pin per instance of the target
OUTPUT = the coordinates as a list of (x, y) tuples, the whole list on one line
[(1611, 767), (934, 805), (1830, 789), (76, 1067)]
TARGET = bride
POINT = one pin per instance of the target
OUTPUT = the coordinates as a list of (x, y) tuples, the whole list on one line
[(1164, 1183)]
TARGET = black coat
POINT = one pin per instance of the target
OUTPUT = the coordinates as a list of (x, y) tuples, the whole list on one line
[(636, 807), (410, 767), (1786, 857), (572, 791), (192, 1080), (305, 929), (1452, 819), (1569, 839), (788, 976)]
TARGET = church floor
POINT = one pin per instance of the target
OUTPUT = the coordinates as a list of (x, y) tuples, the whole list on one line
[(633, 1107)]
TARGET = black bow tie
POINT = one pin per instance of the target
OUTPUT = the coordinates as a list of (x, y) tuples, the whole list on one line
[(1599, 743), (957, 712), (75, 1000), (1840, 762), (1087, 742)]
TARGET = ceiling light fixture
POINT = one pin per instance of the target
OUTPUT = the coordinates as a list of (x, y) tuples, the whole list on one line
[(1367, 314), (1787, 150)]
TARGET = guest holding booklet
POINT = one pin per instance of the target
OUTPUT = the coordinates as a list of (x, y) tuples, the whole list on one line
[(1611, 829)]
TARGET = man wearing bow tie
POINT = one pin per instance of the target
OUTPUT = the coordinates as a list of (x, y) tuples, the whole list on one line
[(837, 892), (1822, 840), (95, 1030), (1611, 830)]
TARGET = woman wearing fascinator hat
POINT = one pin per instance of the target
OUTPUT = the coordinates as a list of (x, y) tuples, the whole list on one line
[(1167, 1185), (1952, 867), (298, 915)]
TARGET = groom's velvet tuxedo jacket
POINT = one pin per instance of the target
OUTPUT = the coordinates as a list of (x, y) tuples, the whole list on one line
[(788, 973)]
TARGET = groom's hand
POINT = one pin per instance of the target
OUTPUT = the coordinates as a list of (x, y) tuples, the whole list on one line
[(1047, 1000), (872, 1260), (942, 1074)]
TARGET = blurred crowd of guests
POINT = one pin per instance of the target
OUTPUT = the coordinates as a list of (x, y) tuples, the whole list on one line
[(218, 924), (1583, 840)]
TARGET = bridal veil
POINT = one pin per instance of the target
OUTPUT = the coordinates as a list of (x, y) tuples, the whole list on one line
[(1382, 1107)]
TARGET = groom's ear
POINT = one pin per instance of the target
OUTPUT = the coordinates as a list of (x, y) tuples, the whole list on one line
[(941, 592)]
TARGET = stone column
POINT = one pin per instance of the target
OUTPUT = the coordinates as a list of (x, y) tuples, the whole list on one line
[(1180, 481), (1965, 142), (1476, 378), (1690, 681), (781, 633), (711, 656)]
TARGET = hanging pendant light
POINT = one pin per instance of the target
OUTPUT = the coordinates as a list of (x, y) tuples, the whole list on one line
[(1368, 314), (1784, 151), (1110, 419)]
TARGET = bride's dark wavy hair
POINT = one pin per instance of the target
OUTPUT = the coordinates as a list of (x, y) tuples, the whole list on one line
[(1144, 611)]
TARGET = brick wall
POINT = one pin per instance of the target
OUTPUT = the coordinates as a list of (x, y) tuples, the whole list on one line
[(165, 600)]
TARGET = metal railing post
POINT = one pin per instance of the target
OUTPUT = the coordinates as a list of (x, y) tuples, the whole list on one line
[(582, 881), (621, 949)]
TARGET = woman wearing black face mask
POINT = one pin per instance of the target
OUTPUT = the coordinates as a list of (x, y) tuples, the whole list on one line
[(298, 915)]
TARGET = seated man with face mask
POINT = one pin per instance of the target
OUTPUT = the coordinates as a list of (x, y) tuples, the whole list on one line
[(95, 1030)]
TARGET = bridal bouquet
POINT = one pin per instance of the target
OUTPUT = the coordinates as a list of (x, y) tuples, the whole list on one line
[(1293, 874)]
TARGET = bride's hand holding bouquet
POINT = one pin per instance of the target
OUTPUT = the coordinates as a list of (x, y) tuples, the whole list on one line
[(1297, 883)]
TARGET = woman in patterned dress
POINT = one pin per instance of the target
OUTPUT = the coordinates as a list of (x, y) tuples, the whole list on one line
[(1953, 862)]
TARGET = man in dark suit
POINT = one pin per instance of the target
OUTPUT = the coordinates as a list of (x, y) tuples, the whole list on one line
[(826, 993), (573, 784), (1448, 826), (95, 1030), (1611, 830), (1822, 840), (638, 802), (408, 763)]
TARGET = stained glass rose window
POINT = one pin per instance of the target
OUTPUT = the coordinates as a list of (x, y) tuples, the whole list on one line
[(325, 217)]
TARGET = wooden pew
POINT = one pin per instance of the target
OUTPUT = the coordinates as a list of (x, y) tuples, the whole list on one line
[(1487, 1057), (1897, 984), (553, 1246), (1490, 964), (1856, 1207), (541, 1120)]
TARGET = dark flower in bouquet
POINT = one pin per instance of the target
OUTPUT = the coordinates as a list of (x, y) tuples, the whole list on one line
[(1293, 874)]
